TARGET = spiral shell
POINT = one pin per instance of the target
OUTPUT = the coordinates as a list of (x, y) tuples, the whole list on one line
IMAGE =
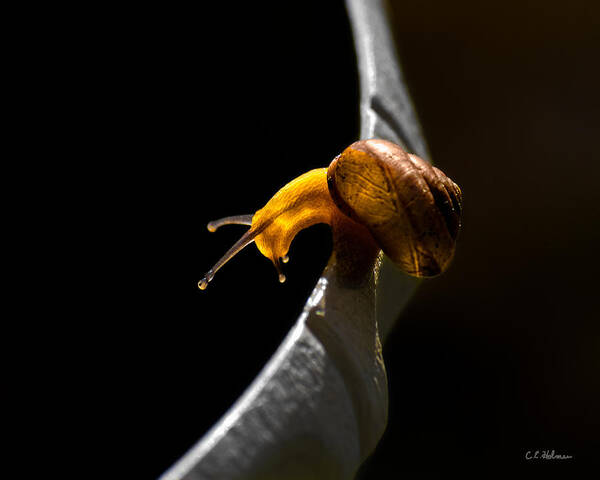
[(412, 209)]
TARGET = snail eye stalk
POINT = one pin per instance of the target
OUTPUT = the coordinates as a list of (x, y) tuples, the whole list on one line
[(235, 220), (244, 241)]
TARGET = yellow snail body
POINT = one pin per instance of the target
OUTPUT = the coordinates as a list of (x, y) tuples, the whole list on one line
[(411, 209)]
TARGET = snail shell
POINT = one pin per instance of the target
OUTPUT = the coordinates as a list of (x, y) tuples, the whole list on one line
[(411, 208)]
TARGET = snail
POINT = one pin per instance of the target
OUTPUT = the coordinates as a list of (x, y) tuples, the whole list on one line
[(411, 209)]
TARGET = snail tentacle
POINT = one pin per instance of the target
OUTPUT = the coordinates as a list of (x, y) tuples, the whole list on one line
[(233, 220)]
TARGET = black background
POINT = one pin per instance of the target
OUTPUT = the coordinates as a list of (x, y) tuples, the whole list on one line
[(192, 114)]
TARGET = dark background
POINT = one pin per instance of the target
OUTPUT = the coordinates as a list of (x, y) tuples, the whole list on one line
[(203, 113)]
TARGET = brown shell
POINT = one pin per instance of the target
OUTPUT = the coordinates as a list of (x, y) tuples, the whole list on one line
[(412, 209)]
